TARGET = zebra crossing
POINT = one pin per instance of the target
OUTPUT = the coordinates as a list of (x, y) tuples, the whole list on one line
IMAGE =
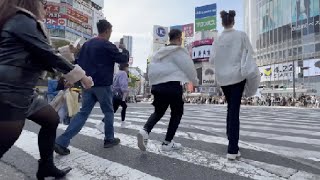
[(276, 143)]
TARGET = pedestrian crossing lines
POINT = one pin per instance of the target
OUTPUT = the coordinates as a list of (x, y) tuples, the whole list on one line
[(203, 155)]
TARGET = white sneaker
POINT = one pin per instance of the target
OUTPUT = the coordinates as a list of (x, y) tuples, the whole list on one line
[(100, 127), (124, 124), (171, 147), (233, 156), (142, 140)]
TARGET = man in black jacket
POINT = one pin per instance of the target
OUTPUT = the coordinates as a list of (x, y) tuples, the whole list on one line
[(97, 57)]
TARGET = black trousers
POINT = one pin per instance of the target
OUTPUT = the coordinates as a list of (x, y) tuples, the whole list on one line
[(233, 95), (116, 104), (165, 95)]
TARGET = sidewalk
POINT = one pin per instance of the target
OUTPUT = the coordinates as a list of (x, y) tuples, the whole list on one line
[(10, 173)]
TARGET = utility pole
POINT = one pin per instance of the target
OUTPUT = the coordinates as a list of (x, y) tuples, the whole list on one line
[(294, 80)]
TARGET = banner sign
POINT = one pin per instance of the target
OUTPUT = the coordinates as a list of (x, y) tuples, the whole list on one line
[(311, 67), (188, 29), (201, 50), (206, 11), (208, 77), (278, 72), (206, 24), (56, 15), (160, 34)]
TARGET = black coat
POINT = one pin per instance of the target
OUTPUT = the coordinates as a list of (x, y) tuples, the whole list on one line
[(25, 53)]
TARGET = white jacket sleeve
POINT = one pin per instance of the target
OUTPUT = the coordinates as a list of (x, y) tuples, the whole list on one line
[(185, 63), (213, 53), (247, 43)]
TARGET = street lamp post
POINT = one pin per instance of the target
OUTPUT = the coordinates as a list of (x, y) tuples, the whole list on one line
[(294, 80)]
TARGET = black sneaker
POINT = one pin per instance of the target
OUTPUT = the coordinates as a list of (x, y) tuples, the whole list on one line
[(111, 143), (61, 150)]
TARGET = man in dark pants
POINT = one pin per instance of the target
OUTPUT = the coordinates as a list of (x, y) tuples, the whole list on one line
[(170, 67), (97, 57)]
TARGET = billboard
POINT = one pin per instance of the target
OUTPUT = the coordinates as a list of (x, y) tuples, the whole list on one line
[(299, 13), (201, 50), (206, 11), (160, 34), (206, 24), (187, 29), (304, 9), (208, 75), (312, 67), (278, 72), (206, 18)]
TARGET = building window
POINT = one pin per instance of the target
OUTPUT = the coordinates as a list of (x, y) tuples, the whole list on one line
[(299, 50), (317, 47)]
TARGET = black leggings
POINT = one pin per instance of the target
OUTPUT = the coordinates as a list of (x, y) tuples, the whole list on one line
[(123, 104), (46, 117)]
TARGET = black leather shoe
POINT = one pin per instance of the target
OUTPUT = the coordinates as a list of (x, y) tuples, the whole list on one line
[(111, 143), (61, 150)]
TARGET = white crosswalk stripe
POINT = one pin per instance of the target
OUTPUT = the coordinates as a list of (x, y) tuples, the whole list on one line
[(302, 142), (247, 168), (85, 166)]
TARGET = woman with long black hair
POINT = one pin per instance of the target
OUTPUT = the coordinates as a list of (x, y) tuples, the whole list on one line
[(25, 53)]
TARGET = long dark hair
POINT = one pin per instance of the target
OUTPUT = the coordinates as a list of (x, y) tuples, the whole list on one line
[(8, 8)]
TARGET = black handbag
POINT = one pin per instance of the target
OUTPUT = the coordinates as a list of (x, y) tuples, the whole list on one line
[(117, 96)]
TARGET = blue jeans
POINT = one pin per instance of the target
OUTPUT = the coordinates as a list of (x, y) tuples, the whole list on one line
[(103, 95)]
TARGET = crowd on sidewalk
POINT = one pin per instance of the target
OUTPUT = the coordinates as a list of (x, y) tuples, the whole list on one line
[(307, 101)]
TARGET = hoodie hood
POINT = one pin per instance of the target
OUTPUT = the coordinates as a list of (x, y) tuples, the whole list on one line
[(166, 51)]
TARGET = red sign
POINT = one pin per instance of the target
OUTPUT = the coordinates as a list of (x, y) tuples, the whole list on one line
[(81, 18), (53, 21), (62, 22), (52, 8), (202, 42), (188, 29)]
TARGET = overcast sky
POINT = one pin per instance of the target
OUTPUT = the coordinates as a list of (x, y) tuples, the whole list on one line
[(137, 17)]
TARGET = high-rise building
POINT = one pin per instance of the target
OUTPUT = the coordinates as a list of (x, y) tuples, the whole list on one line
[(70, 20), (286, 35), (127, 41)]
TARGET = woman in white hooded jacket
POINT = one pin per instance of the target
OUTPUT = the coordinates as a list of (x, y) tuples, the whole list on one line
[(170, 67), (227, 56)]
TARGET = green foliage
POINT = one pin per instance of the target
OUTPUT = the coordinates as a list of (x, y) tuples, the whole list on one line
[(134, 80)]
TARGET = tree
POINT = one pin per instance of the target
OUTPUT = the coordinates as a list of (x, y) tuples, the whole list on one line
[(134, 80)]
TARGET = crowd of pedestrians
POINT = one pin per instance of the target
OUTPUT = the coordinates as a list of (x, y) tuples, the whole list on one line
[(307, 101)]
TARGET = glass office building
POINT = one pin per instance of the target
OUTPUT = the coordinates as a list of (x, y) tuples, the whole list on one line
[(286, 37)]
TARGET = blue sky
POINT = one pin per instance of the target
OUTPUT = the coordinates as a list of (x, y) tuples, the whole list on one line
[(137, 17)]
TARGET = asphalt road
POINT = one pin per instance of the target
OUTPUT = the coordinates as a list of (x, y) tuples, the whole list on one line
[(276, 143)]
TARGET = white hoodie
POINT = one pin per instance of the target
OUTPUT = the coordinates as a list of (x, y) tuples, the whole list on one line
[(172, 63)]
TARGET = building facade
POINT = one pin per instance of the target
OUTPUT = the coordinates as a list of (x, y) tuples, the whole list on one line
[(286, 37), (127, 41), (73, 19)]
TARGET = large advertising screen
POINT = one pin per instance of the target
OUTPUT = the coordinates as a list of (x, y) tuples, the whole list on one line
[(278, 72), (311, 67), (278, 13)]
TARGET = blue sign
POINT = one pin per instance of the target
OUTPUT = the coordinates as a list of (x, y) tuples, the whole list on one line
[(161, 32), (51, 26), (206, 11)]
